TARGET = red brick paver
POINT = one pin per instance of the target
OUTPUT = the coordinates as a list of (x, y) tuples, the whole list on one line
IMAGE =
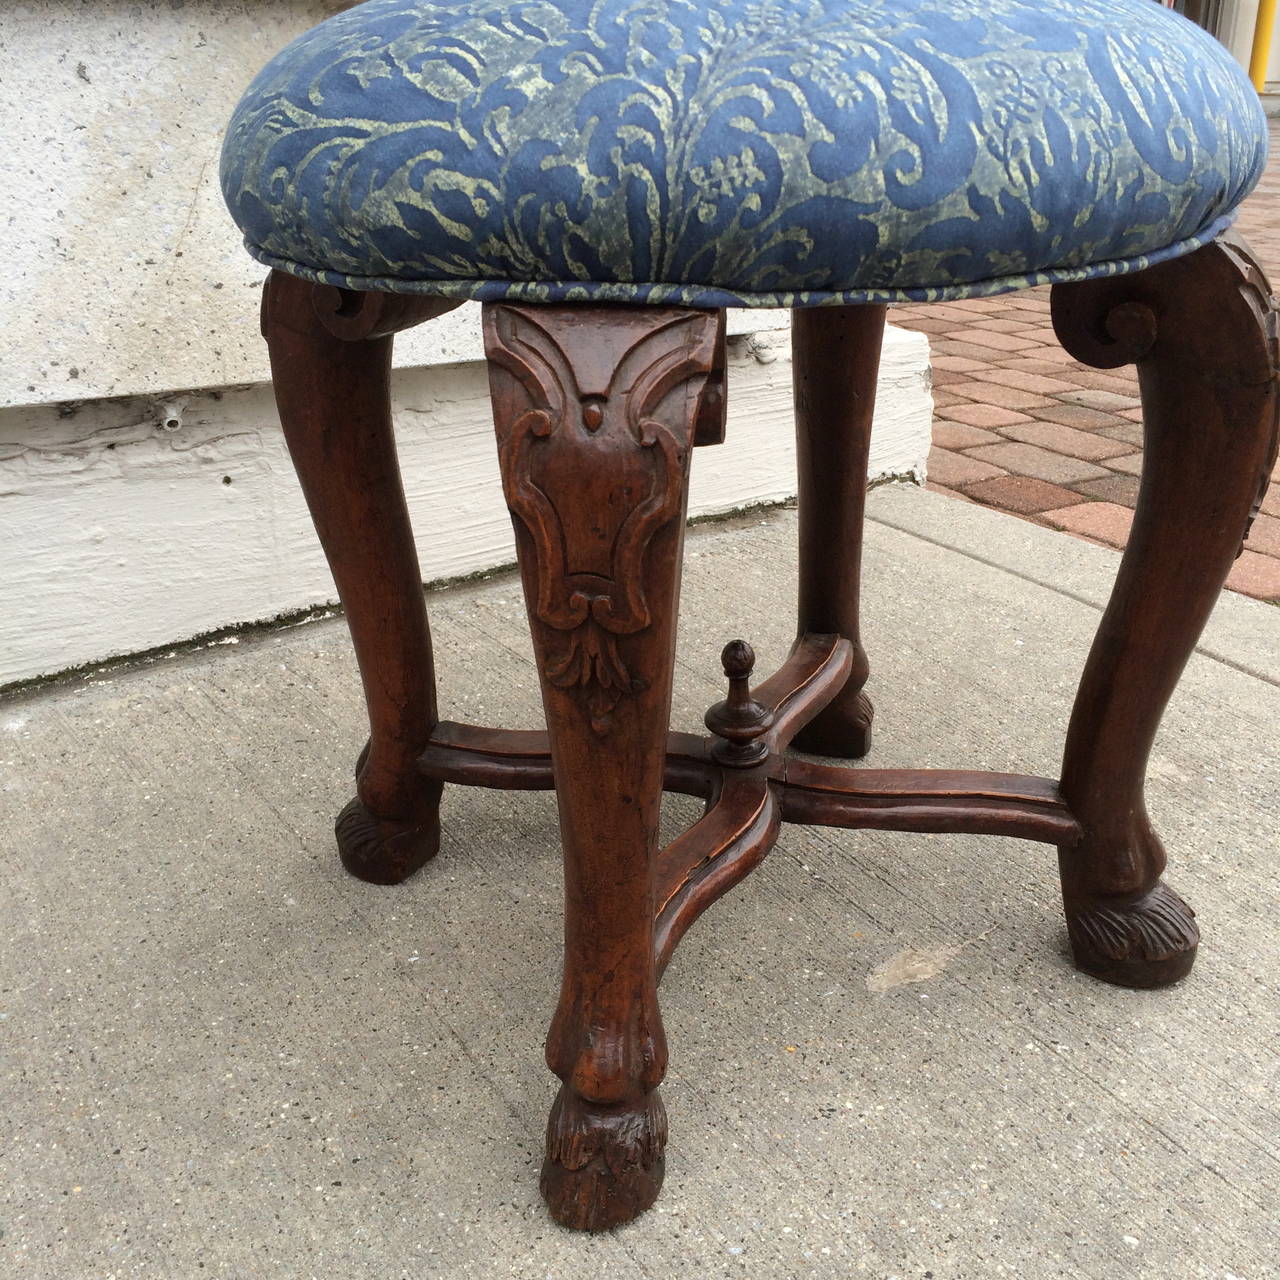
[(1122, 490), (1087, 445), (983, 415), (959, 435), (955, 470), (1028, 460), (1264, 537), (1099, 521), (1023, 494), (1256, 575), (1021, 426)]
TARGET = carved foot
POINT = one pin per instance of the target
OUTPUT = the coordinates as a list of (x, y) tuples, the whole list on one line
[(844, 734), (1148, 943), (604, 1164), (386, 851)]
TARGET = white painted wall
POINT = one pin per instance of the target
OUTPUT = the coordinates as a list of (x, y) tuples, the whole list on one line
[(1235, 30), (122, 533)]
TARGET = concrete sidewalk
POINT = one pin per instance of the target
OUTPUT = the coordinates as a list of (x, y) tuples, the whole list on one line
[(224, 1057)]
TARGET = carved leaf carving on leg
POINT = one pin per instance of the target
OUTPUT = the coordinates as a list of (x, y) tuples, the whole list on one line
[(577, 1134), (1153, 928), (603, 415), (604, 1164), (1256, 291), (592, 662), (595, 409)]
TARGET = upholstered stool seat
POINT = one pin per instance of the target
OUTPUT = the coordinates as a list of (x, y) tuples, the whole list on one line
[(743, 154), (606, 177)]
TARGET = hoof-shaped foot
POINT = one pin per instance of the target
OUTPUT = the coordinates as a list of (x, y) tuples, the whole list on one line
[(383, 850), (840, 731), (604, 1164), (1148, 943)]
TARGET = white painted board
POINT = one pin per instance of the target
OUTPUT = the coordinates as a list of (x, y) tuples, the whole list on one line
[(122, 533)]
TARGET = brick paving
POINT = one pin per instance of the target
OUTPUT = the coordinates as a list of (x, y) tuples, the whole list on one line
[(1021, 426)]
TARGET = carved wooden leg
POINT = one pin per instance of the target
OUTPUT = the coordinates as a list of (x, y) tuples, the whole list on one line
[(330, 360), (1202, 330), (836, 354), (595, 409)]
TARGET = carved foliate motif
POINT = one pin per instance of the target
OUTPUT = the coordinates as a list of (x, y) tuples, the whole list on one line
[(1256, 290), (1152, 929), (594, 429)]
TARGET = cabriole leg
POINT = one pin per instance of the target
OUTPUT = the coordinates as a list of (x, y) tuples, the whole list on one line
[(836, 359), (332, 393), (595, 410), (1202, 331)]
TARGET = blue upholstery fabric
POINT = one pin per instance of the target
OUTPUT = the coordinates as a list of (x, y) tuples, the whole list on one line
[(739, 152)]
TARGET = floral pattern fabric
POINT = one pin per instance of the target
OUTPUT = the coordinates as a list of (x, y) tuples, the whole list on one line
[(742, 152)]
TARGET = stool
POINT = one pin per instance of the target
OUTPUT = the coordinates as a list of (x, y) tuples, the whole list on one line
[(606, 178)]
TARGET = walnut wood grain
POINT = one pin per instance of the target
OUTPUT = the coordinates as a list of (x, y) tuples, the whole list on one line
[(357, 316), (595, 410), (835, 364), (973, 802), (941, 800), (716, 853), (335, 409), (1202, 331), (520, 760), (815, 672)]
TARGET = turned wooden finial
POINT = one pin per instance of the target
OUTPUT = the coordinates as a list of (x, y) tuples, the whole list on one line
[(739, 722)]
